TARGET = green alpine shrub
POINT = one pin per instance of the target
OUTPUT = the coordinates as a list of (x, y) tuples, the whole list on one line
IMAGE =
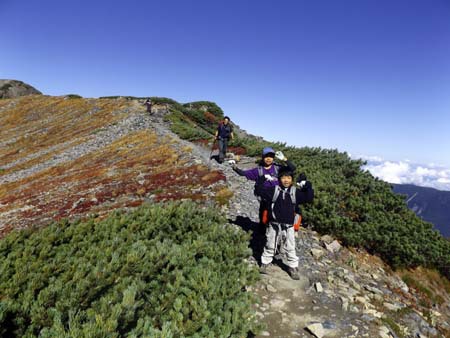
[(167, 270), (350, 203)]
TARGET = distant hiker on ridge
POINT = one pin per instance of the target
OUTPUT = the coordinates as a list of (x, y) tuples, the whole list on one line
[(148, 103), (224, 133), (283, 200)]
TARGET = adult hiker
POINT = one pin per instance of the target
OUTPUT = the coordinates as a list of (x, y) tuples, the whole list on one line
[(283, 200), (148, 103), (224, 133)]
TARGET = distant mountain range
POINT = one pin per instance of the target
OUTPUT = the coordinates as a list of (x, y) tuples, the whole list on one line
[(430, 204)]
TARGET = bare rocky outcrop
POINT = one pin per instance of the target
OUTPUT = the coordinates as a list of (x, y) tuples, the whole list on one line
[(12, 88)]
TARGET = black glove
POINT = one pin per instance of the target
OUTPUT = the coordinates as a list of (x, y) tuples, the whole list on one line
[(307, 185), (240, 172), (301, 177)]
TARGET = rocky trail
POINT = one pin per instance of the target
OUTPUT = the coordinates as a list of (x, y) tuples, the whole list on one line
[(341, 293)]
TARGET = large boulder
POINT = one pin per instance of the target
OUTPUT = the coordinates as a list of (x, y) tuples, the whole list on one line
[(13, 88)]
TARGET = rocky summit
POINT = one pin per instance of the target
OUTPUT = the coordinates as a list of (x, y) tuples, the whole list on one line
[(13, 88), (71, 158)]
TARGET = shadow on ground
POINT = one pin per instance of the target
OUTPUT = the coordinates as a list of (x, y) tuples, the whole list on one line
[(257, 230), (257, 240)]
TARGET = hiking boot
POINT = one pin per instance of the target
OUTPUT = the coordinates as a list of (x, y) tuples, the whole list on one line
[(264, 269), (293, 272)]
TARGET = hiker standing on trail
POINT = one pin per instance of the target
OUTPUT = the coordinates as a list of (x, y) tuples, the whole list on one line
[(224, 133), (283, 200), (269, 170), (148, 103)]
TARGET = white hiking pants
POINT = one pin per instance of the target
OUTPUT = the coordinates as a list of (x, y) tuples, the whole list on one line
[(282, 234)]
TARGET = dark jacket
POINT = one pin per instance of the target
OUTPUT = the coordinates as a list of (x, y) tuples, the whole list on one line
[(224, 131), (283, 209)]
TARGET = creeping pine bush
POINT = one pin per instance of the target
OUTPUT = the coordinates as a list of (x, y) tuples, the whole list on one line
[(168, 270), (185, 128)]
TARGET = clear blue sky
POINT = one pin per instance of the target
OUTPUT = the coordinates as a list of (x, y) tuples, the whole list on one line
[(369, 77)]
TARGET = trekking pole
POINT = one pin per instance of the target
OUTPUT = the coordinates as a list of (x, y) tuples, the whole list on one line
[(212, 149)]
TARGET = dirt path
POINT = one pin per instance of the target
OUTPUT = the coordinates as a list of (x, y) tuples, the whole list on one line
[(337, 295)]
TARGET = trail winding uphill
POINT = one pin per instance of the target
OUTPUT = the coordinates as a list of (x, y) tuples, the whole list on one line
[(70, 158), (341, 293)]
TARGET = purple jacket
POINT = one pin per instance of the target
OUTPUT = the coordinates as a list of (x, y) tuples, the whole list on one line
[(271, 174)]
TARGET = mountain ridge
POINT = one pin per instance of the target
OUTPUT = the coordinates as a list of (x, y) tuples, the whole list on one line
[(430, 204), (71, 157)]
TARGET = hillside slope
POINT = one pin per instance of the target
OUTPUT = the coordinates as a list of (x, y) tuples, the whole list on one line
[(68, 157), (62, 158)]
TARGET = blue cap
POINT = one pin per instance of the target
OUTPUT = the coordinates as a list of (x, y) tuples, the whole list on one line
[(268, 150)]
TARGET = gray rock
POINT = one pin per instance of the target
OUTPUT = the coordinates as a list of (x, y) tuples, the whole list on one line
[(317, 253), (344, 303), (12, 88), (326, 239), (373, 290), (318, 287), (333, 247), (328, 325), (372, 312), (361, 300), (398, 283), (316, 329), (392, 307), (277, 304), (384, 332), (270, 288), (352, 282)]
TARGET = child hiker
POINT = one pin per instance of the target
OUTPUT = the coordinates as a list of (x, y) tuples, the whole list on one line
[(268, 170), (280, 230)]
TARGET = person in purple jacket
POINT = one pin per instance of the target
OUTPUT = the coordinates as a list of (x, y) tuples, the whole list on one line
[(267, 170)]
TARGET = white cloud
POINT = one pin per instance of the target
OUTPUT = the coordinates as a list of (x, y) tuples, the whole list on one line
[(444, 173), (403, 172), (393, 172), (421, 171), (369, 158)]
